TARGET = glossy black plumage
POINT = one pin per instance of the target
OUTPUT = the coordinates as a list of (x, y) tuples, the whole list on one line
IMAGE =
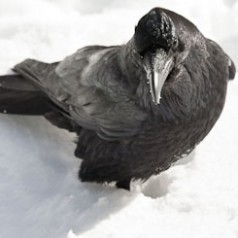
[(102, 94)]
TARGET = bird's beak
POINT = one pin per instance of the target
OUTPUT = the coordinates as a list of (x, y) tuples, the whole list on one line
[(158, 66)]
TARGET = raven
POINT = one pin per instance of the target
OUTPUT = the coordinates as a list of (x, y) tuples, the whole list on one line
[(136, 108)]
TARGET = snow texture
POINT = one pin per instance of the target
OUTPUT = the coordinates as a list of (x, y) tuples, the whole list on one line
[(40, 195)]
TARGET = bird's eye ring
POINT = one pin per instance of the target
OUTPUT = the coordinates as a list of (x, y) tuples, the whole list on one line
[(175, 43)]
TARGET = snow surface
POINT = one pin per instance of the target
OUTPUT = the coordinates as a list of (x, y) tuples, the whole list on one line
[(40, 195)]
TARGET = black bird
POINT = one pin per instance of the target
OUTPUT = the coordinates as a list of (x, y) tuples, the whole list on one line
[(136, 108)]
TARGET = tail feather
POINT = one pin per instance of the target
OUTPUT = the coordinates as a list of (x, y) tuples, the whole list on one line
[(34, 71), (24, 94), (18, 96), (16, 82)]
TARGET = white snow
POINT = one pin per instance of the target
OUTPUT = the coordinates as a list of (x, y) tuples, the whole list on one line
[(40, 195)]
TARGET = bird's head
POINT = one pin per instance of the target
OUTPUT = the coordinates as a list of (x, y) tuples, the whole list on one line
[(178, 63), (156, 41)]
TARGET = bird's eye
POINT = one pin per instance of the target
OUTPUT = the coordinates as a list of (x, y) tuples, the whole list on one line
[(175, 44)]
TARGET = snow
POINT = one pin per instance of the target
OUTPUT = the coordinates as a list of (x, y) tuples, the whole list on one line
[(40, 195)]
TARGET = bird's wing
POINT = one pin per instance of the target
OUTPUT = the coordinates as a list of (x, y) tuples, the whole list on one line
[(231, 65), (90, 86)]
